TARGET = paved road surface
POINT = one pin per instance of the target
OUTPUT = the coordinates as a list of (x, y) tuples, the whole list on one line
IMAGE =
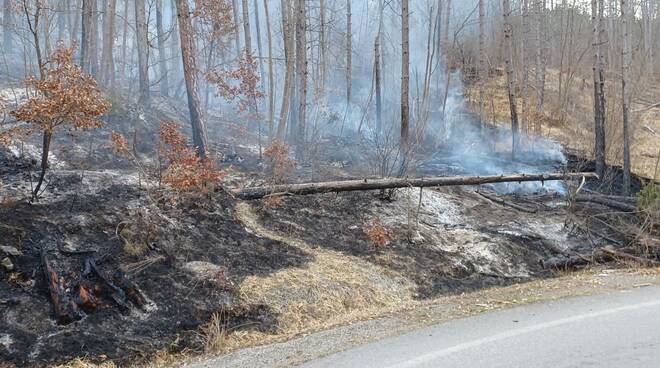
[(613, 330)]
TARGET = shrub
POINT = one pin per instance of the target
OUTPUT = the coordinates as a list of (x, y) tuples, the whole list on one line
[(378, 235)]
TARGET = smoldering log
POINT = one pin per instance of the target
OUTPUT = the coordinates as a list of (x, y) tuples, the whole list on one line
[(65, 308), (391, 183)]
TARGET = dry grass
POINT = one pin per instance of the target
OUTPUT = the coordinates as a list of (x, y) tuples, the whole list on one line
[(571, 123)]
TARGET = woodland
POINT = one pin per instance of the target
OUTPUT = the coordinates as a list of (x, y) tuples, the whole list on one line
[(190, 177)]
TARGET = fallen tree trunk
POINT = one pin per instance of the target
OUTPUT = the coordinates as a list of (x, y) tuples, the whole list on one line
[(390, 183), (618, 205), (598, 255)]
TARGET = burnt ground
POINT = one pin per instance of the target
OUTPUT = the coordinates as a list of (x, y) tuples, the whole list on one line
[(76, 222), (199, 254)]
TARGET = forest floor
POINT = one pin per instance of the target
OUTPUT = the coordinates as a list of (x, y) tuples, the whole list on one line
[(571, 122), (219, 274)]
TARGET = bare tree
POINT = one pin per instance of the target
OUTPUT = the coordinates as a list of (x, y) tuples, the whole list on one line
[(508, 43), (190, 75), (287, 33)]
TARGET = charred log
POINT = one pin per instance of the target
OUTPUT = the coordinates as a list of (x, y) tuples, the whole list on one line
[(390, 183), (65, 309)]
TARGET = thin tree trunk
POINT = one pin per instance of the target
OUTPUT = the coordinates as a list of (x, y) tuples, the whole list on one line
[(237, 22), (322, 43), (162, 57), (541, 54), (599, 95), (377, 84), (405, 76), (107, 60), (508, 40), (349, 52), (86, 35), (124, 39), (246, 26), (288, 77), (142, 50), (7, 28), (525, 63), (301, 71), (190, 74), (482, 75), (626, 62), (271, 80)]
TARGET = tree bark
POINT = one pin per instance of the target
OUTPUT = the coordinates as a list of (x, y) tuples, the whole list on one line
[(186, 35), (301, 71), (107, 59), (626, 14), (142, 50), (290, 64), (377, 85), (7, 20), (349, 52), (481, 71), (508, 37), (599, 85), (390, 183), (86, 35), (162, 57), (271, 80), (405, 76)]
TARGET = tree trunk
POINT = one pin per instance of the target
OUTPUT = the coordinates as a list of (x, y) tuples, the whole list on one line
[(390, 183), (599, 84), (124, 40), (301, 71), (626, 13), (162, 57), (482, 75), (237, 22), (86, 35), (271, 80), (377, 85), (142, 50), (190, 74), (288, 76), (107, 60), (7, 20), (322, 44), (541, 54), (405, 76), (508, 40), (246, 26), (349, 52), (524, 39)]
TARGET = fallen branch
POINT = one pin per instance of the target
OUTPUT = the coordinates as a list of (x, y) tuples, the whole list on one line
[(646, 262), (390, 183), (507, 203), (622, 206)]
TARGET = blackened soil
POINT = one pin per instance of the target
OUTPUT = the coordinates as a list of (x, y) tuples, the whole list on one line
[(334, 221), (73, 228)]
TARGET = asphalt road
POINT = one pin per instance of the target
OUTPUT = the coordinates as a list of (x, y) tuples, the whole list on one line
[(621, 329)]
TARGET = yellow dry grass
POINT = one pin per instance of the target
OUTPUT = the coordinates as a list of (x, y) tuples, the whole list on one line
[(571, 122), (331, 289)]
